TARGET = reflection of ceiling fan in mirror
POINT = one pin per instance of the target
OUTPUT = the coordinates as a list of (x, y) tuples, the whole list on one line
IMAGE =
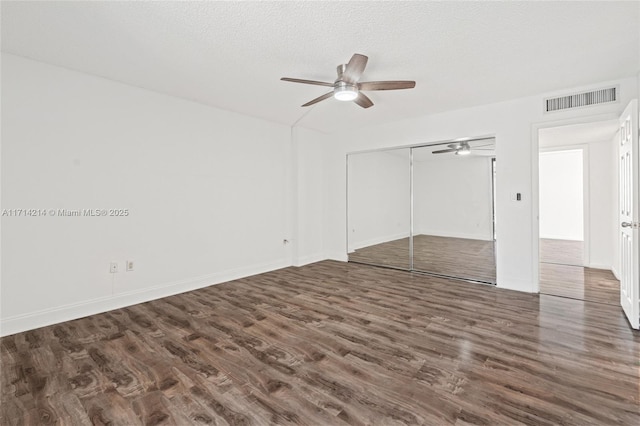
[(464, 148)]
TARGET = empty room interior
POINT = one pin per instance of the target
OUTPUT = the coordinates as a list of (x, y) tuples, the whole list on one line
[(320, 213)]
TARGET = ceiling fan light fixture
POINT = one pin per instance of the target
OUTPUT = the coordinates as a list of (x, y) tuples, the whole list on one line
[(345, 93), (464, 151)]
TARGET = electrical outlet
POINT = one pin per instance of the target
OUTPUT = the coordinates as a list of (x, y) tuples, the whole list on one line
[(113, 267), (130, 266)]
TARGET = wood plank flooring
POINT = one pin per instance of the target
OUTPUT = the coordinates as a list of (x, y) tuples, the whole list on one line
[(577, 282), (561, 274), (563, 252), (454, 257), (328, 344)]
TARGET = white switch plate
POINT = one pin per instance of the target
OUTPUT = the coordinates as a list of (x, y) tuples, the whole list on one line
[(130, 265), (113, 267)]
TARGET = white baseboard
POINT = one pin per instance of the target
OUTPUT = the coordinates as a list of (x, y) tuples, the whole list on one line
[(341, 257), (19, 323), (305, 260), (559, 237), (615, 273), (600, 266), (516, 285), (456, 235)]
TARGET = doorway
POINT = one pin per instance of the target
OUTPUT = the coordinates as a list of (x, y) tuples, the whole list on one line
[(562, 206), (577, 211)]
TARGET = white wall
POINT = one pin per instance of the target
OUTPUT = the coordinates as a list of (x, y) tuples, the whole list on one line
[(561, 195), (207, 190), (308, 187), (453, 197), (514, 123), (379, 197), (603, 204)]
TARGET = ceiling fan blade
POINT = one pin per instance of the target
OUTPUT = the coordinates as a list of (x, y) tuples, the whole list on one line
[(318, 99), (297, 80), (386, 85), (481, 146), (363, 100), (442, 151), (354, 68)]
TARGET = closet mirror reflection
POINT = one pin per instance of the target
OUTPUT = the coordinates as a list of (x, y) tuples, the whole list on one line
[(428, 209), (378, 206), (453, 215)]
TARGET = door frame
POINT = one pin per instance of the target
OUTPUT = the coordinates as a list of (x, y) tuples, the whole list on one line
[(535, 176)]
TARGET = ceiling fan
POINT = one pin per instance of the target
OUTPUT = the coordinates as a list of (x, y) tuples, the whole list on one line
[(347, 88), (463, 148)]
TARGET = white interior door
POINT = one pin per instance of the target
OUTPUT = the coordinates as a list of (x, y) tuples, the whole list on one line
[(628, 231)]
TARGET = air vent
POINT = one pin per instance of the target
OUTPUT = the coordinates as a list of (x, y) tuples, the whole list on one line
[(578, 100)]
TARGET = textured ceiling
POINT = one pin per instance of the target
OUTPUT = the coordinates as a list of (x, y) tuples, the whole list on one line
[(232, 54)]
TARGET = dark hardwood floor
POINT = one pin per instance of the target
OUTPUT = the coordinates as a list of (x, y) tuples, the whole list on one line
[(561, 274), (454, 257), (577, 282), (327, 344)]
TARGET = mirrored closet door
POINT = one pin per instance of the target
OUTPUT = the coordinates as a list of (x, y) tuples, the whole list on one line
[(427, 208), (379, 207), (453, 218)]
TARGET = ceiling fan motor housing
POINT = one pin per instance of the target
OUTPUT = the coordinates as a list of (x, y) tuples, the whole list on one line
[(341, 68), (345, 92)]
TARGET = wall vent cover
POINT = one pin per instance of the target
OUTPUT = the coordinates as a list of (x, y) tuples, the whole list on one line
[(583, 99)]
